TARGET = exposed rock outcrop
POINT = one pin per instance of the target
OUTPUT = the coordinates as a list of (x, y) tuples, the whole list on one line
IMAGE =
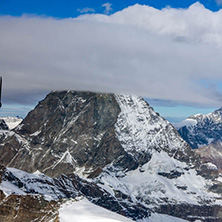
[(212, 155), (3, 125)]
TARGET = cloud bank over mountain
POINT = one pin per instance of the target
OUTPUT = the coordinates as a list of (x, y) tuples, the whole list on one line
[(169, 54)]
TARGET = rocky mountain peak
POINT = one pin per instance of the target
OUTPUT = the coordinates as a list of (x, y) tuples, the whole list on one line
[(83, 132)]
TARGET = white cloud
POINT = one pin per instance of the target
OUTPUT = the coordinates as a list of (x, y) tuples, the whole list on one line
[(158, 54), (86, 10), (107, 7)]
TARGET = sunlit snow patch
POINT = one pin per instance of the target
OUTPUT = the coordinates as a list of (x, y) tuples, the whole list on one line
[(12, 122), (85, 211)]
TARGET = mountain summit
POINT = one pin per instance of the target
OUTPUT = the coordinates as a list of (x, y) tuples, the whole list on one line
[(83, 131)]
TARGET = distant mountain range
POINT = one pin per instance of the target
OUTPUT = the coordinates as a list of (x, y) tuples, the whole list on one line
[(114, 150), (201, 130), (204, 134)]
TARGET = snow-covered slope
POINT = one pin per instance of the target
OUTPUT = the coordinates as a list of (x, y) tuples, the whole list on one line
[(162, 181), (12, 122), (16, 184), (65, 187), (21, 183), (84, 211), (141, 130), (200, 130)]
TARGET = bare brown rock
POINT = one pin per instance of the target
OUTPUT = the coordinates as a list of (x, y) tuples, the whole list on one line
[(27, 208), (212, 154)]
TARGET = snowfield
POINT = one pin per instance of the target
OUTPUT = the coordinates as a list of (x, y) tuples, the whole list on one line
[(162, 218), (85, 211), (12, 122)]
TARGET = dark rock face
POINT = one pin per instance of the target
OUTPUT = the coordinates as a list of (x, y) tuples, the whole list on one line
[(171, 174), (11, 143), (200, 130), (204, 213), (67, 130), (3, 125)]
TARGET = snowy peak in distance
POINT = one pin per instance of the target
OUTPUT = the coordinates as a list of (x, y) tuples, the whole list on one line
[(12, 122), (200, 130)]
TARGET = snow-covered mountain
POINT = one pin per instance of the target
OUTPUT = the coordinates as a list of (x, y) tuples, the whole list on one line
[(200, 130), (113, 150), (84, 132), (12, 122)]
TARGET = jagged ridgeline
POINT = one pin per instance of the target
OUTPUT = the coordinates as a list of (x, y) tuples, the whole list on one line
[(135, 161)]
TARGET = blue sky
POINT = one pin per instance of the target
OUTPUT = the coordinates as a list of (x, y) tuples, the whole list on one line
[(71, 8), (35, 56)]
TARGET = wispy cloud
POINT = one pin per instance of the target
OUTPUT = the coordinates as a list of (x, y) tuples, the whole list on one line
[(86, 10), (107, 7), (158, 54)]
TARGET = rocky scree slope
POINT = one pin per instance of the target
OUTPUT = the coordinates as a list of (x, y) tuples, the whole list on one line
[(123, 148)]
